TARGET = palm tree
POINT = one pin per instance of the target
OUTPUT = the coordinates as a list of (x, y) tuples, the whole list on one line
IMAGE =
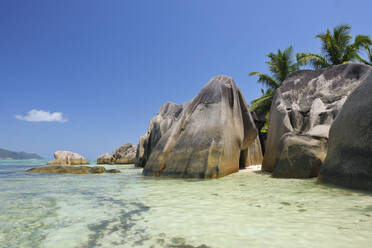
[(262, 104), (336, 48), (280, 65), (369, 54)]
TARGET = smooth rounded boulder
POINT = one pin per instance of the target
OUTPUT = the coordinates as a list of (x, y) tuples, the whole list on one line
[(207, 139), (349, 158), (124, 154), (302, 112), (105, 159), (67, 158)]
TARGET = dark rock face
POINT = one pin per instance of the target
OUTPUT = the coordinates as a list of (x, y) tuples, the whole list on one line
[(125, 154), (259, 121), (159, 125), (206, 140), (349, 158), (252, 155), (302, 112), (71, 169)]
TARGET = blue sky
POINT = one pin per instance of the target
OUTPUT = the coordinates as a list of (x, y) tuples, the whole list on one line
[(106, 67)]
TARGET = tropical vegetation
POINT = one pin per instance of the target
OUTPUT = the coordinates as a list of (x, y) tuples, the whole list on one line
[(280, 64), (337, 48), (369, 54)]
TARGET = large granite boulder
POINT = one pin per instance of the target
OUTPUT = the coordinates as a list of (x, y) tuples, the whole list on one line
[(71, 169), (349, 158), (301, 114), (206, 140), (67, 158), (159, 124), (125, 154)]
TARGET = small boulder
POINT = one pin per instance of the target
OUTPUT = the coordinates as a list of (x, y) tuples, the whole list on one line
[(125, 154), (105, 159), (67, 158)]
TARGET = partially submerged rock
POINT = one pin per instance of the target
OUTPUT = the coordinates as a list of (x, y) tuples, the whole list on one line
[(125, 154), (301, 114), (206, 140), (67, 158), (349, 158), (71, 169)]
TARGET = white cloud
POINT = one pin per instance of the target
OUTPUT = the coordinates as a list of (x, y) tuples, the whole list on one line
[(35, 115)]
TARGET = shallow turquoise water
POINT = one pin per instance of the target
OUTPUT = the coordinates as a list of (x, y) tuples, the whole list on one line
[(128, 210)]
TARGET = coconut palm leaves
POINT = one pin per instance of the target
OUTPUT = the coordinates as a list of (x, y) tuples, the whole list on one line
[(337, 48), (281, 64), (369, 54), (262, 104)]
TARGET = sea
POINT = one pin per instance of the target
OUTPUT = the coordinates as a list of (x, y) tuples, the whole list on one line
[(245, 209)]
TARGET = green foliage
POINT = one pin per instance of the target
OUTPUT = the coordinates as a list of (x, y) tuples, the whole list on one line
[(315, 60), (337, 48), (265, 128), (262, 104), (266, 80), (369, 54), (281, 64)]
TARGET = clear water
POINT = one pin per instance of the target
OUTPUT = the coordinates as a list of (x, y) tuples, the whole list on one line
[(128, 210)]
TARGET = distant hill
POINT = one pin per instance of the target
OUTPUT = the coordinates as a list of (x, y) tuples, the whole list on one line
[(6, 154)]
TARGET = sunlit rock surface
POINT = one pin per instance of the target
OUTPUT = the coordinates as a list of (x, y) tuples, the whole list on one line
[(303, 109), (206, 140), (67, 158), (125, 154), (159, 125)]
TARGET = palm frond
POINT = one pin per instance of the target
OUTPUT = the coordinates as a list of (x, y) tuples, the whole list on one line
[(360, 59), (315, 60), (266, 80), (262, 104), (281, 63)]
